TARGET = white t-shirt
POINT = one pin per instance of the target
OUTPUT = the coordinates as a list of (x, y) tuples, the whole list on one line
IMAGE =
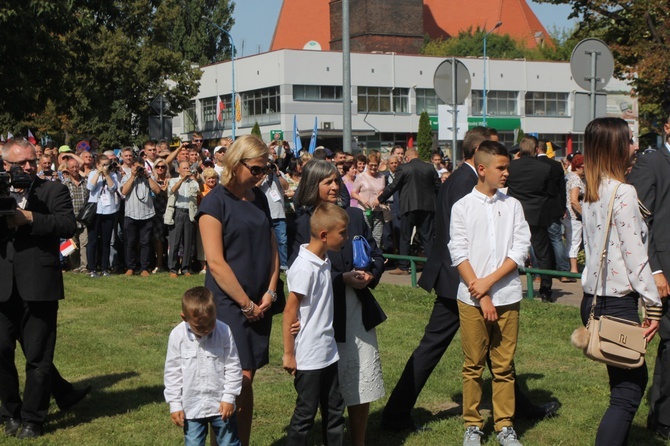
[(315, 346)]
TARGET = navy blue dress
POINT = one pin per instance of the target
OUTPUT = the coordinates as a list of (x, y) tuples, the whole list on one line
[(247, 227)]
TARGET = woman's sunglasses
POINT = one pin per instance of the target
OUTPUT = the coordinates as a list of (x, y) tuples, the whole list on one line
[(256, 170)]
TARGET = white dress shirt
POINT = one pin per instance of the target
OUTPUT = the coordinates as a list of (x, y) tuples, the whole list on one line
[(486, 231), (200, 373)]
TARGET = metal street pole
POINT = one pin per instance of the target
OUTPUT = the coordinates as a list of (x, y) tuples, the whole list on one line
[(232, 58), (484, 105), (346, 80)]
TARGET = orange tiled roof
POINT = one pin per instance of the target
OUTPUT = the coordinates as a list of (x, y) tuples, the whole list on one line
[(301, 21)]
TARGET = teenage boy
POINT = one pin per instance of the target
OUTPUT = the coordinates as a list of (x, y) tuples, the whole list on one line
[(203, 375), (311, 356), (489, 242)]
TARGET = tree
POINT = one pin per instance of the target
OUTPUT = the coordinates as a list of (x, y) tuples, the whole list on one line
[(469, 43), (638, 33), (424, 137), (256, 130)]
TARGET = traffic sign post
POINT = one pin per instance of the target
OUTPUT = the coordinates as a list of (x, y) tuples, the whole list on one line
[(452, 84), (162, 128), (592, 66)]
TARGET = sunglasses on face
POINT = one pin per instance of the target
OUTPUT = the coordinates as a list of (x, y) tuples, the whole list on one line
[(256, 170), (160, 167)]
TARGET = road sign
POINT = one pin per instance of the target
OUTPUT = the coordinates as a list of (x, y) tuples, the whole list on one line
[(160, 127), (277, 135), (443, 82), (592, 59), (160, 105)]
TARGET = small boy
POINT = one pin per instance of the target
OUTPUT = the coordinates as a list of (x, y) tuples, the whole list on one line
[(312, 355), (489, 242), (203, 375)]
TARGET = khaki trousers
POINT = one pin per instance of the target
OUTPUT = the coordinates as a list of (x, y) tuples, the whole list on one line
[(498, 340)]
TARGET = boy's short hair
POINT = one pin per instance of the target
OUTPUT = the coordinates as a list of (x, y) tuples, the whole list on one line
[(487, 149), (325, 217), (198, 302)]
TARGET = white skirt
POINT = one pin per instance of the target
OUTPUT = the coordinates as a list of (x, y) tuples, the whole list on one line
[(359, 367)]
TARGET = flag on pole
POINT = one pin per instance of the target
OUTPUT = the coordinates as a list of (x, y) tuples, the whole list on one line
[(238, 107), (312, 141), (31, 137), (410, 142), (220, 107), (297, 143), (67, 247)]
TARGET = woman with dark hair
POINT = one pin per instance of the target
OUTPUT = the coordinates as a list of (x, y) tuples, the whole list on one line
[(242, 261), (626, 276), (357, 313), (348, 178)]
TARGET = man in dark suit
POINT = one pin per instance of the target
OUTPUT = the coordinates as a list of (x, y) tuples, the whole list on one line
[(651, 178), (530, 182), (556, 207), (32, 286), (440, 275), (417, 183)]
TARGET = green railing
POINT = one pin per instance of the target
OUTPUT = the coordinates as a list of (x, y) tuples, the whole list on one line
[(529, 272)]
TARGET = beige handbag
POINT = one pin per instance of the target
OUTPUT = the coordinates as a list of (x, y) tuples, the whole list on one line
[(611, 340)]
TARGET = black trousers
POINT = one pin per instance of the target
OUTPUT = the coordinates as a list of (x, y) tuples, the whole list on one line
[(544, 253), (138, 231), (317, 388), (100, 241), (442, 327), (423, 221), (659, 394), (183, 230), (626, 386), (35, 324)]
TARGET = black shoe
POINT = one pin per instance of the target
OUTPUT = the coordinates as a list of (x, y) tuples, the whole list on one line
[(73, 398), (660, 430), (12, 426), (547, 410), (547, 298), (30, 430)]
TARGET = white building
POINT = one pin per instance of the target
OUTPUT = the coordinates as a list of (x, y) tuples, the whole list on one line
[(389, 92)]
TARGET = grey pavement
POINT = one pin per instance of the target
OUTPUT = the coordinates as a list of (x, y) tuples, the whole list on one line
[(565, 293)]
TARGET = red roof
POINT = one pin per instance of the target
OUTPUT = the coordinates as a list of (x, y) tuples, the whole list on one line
[(301, 21)]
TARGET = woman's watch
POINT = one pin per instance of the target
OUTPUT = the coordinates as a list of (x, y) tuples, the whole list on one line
[(273, 294)]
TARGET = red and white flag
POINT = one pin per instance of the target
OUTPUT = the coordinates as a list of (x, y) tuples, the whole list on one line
[(67, 247), (31, 137), (220, 107)]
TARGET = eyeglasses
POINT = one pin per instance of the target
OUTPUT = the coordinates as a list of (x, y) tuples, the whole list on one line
[(160, 167), (32, 162), (256, 170), (197, 140)]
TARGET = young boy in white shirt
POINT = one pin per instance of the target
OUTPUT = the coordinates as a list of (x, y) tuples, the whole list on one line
[(311, 356), (203, 375), (489, 242)]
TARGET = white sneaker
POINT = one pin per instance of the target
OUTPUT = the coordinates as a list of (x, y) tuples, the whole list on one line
[(507, 437), (473, 436)]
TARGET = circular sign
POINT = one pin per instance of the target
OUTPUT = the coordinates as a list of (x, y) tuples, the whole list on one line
[(582, 63), (444, 83)]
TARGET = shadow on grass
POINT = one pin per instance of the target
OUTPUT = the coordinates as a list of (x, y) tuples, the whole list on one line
[(106, 404)]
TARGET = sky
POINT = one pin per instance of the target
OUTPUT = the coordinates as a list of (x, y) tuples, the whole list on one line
[(255, 22)]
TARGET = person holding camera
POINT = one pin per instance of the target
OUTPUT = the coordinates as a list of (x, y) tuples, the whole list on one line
[(183, 194), (138, 188), (103, 185)]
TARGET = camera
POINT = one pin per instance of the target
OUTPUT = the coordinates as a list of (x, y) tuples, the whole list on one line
[(140, 170), (194, 171), (17, 179), (113, 165)]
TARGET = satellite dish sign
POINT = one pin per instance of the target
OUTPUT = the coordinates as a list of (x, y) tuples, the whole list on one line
[(443, 82), (590, 59)]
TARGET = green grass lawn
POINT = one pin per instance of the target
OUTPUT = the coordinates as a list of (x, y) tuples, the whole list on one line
[(113, 333)]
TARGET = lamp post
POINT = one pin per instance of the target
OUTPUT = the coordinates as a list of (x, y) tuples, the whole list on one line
[(232, 58), (484, 105)]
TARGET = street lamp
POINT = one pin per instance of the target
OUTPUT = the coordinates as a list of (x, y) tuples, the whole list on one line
[(498, 25), (232, 57)]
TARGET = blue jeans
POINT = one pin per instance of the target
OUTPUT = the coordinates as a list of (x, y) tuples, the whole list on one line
[(195, 431), (556, 238), (279, 226)]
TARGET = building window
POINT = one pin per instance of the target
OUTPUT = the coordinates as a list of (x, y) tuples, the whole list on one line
[(325, 93), (208, 109), (499, 103), (383, 100), (264, 101), (539, 103), (190, 118), (427, 100)]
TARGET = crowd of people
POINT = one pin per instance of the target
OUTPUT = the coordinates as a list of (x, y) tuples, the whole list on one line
[(245, 211)]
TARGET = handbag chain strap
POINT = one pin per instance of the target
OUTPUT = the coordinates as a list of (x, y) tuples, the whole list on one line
[(603, 254)]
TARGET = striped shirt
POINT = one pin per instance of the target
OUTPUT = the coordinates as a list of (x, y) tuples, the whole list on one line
[(139, 201)]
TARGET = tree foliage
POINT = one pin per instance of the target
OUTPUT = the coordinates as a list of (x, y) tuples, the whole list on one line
[(638, 33), (424, 137), (75, 68), (256, 130)]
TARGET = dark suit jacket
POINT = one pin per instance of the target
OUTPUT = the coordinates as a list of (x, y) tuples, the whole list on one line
[(438, 274), (417, 182), (342, 262), (529, 182), (556, 205), (29, 258), (651, 178)]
